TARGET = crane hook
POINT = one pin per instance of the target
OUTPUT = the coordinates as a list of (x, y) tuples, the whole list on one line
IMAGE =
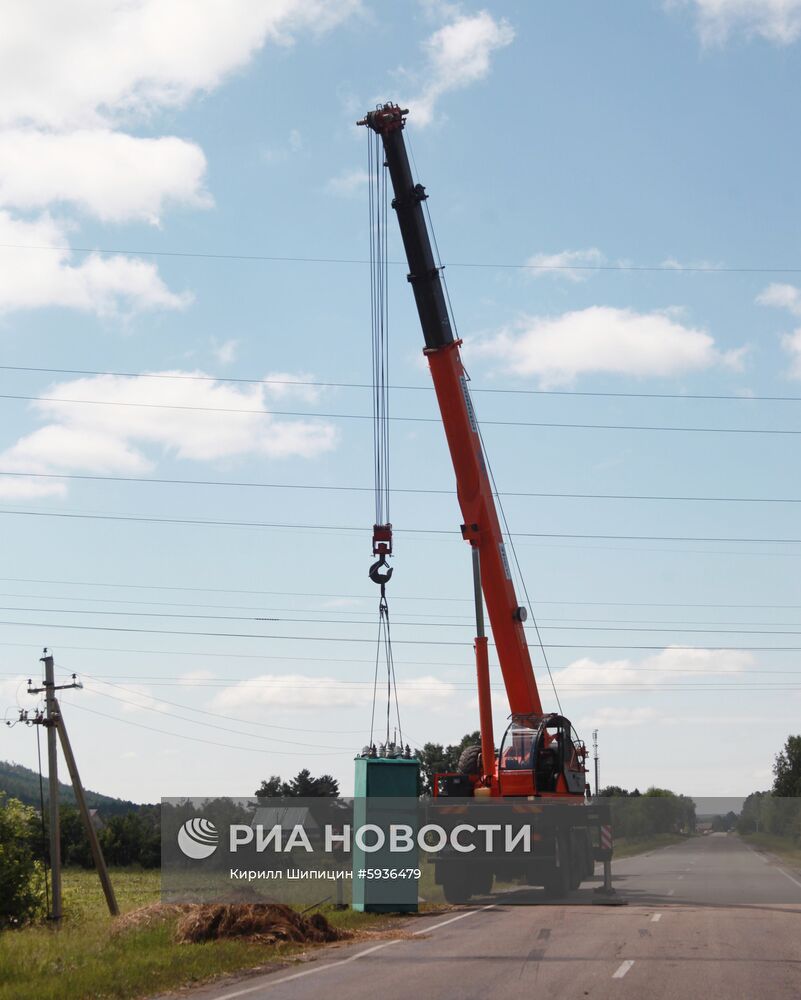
[(375, 573)]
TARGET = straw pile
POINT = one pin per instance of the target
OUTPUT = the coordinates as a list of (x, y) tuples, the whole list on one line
[(268, 923), (146, 917)]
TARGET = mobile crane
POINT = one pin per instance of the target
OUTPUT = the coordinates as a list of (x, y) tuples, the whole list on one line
[(540, 757)]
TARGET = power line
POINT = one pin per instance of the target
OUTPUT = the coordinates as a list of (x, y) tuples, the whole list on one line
[(172, 680), (434, 624), (333, 528), (197, 739), (501, 265), (405, 419), (211, 725), (343, 620), (358, 686), (426, 598), (323, 384), (219, 715), (406, 642), (318, 487)]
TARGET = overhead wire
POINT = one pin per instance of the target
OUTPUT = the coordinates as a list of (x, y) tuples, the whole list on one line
[(328, 384), (667, 266), (560, 425), (197, 739), (216, 715), (334, 528), (426, 598), (327, 487)]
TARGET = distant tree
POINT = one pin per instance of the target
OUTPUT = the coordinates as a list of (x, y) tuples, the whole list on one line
[(787, 769), (303, 785), (613, 791), (436, 759), (75, 848), (270, 788), (131, 839), (326, 786)]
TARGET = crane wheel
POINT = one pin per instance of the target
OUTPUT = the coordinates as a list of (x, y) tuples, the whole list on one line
[(558, 882), (470, 760)]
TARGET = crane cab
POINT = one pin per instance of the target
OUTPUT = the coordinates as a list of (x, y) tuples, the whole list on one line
[(542, 756)]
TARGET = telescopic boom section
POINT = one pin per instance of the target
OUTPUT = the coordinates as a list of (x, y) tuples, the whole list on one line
[(482, 527)]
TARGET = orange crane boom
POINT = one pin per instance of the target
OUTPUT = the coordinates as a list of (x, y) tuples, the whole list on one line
[(481, 527)]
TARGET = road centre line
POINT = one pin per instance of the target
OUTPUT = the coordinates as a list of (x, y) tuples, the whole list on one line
[(623, 968), (656, 918), (346, 961)]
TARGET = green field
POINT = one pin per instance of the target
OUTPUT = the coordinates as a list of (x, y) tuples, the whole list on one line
[(87, 958)]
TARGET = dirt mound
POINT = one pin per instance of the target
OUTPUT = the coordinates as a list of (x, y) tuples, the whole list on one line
[(265, 922)]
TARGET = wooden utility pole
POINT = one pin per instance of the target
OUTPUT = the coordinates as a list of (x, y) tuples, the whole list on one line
[(52, 786), (91, 833), (54, 721)]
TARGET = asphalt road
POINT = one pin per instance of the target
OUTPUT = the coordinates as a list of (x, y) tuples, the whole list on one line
[(707, 918)]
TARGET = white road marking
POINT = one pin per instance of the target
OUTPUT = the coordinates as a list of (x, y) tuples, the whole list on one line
[(680, 877), (307, 972), (656, 918), (670, 892), (623, 968), (451, 920), (793, 880), (345, 961)]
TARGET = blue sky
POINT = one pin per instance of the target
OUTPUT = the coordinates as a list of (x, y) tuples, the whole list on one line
[(176, 140)]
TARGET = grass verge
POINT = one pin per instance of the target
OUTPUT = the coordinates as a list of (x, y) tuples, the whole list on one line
[(629, 848), (86, 958), (783, 847)]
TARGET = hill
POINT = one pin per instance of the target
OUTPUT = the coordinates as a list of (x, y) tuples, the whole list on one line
[(22, 783)]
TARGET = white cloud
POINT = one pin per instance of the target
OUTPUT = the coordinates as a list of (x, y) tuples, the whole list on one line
[(202, 421), (105, 285), (193, 677), (604, 339), (788, 297), (226, 352), (86, 62), (132, 698), (781, 296), (777, 21), (71, 75), (457, 55), (791, 342), (277, 154), (113, 176), (293, 385), (348, 183), (301, 692), (566, 264), (585, 676), (609, 717)]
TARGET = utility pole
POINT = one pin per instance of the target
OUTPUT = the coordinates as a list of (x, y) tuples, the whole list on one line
[(52, 783), (595, 758), (91, 833), (53, 721)]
